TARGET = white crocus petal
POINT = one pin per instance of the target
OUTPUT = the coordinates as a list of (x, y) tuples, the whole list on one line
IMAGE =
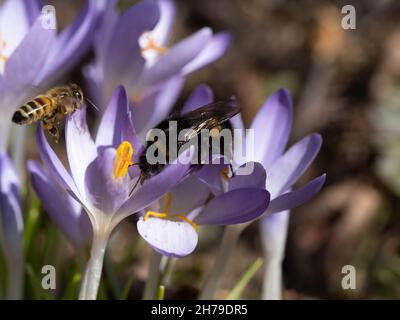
[(172, 238), (163, 28), (273, 236), (81, 149)]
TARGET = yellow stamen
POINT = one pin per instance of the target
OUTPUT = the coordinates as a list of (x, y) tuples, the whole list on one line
[(123, 160), (225, 174), (154, 214), (153, 45), (184, 218), (167, 208), (167, 203)]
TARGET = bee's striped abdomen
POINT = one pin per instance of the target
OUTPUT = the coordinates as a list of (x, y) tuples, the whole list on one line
[(33, 110)]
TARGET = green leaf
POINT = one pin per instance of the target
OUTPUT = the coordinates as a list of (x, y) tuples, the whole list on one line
[(237, 291), (127, 288), (112, 276), (35, 284), (31, 226), (72, 289)]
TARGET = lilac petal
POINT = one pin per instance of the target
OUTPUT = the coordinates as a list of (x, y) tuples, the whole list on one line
[(255, 179), (272, 126), (296, 198), (213, 50), (105, 27), (292, 164), (93, 82), (14, 23), (111, 126), (234, 207), (32, 9), (188, 195), (1, 85), (239, 131), (129, 134), (210, 174), (73, 42), (170, 238), (154, 188), (65, 212), (237, 122), (81, 148), (23, 66), (155, 107), (176, 58), (200, 96), (10, 207), (54, 165), (164, 25), (11, 222), (103, 191), (123, 58)]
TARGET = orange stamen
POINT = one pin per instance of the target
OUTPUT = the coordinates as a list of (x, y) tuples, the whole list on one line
[(167, 208), (152, 45), (184, 218), (3, 57), (225, 174)]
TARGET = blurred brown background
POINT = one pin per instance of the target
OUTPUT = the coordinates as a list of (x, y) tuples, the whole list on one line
[(345, 85)]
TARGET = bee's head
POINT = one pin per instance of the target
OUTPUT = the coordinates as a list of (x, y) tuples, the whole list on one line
[(77, 93)]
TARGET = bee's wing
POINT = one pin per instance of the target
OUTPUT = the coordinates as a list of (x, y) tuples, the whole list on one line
[(220, 110), (209, 116), (28, 94)]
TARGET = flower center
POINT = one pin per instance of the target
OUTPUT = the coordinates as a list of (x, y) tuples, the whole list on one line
[(123, 160), (3, 57), (166, 213), (148, 43)]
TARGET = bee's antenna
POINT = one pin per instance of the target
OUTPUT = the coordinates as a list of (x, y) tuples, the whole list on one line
[(136, 184), (92, 104)]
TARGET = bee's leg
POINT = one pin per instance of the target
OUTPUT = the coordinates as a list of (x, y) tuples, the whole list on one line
[(231, 168), (64, 110), (52, 129)]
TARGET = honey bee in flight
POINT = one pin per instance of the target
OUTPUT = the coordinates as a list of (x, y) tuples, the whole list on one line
[(50, 108)]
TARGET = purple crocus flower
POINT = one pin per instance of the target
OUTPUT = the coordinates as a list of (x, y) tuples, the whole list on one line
[(99, 178), (185, 207), (31, 54), (132, 49), (272, 126), (270, 133), (11, 226)]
